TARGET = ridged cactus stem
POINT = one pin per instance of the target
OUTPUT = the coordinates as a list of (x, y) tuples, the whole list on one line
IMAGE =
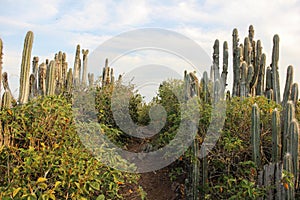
[(268, 79), (288, 192), (294, 147), (274, 65), (288, 84), (25, 68), (256, 65), (7, 100), (294, 94), (236, 62), (250, 73), (1, 62), (91, 79), (77, 66), (64, 68), (225, 65), (69, 81), (42, 79), (260, 88), (244, 70), (205, 91), (50, 81), (255, 135), (84, 72), (216, 60), (276, 136), (288, 116), (247, 51)]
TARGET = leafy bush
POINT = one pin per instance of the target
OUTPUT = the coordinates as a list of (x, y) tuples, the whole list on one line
[(47, 159)]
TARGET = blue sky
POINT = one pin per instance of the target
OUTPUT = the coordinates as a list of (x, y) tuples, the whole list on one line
[(61, 25)]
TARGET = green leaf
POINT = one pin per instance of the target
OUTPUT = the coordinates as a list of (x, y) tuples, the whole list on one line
[(16, 191), (101, 197), (41, 180)]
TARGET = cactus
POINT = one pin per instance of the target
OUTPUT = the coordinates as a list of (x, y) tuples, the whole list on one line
[(216, 61), (274, 66), (50, 79), (294, 146), (288, 193), (225, 64), (1, 55), (255, 135), (205, 91), (77, 67), (25, 68), (236, 62), (35, 67), (247, 51), (7, 100), (288, 116), (261, 76), (64, 69), (91, 79), (294, 94), (268, 79), (256, 64), (244, 70), (42, 79), (250, 74), (288, 84), (269, 95), (276, 136), (32, 90), (69, 81), (84, 72)]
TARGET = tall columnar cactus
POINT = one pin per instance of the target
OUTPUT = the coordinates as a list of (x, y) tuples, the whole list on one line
[(6, 87), (205, 91), (288, 192), (7, 100), (236, 62), (288, 84), (225, 64), (58, 73), (255, 135), (50, 79), (251, 33), (1, 55), (294, 146), (244, 70), (288, 116), (260, 87), (77, 67), (250, 74), (42, 79), (25, 68), (274, 65), (294, 94), (84, 72), (35, 68), (276, 136), (247, 51), (64, 68), (256, 65), (32, 89), (216, 61), (91, 79), (69, 81), (268, 79)]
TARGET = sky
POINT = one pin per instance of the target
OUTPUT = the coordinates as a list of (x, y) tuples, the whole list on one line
[(59, 25)]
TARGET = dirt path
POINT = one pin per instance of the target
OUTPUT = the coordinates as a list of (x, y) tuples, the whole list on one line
[(157, 185)]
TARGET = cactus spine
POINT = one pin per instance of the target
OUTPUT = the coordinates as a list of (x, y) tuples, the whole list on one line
[(274, 66), (255, 135), (276, 136), (25, 68)]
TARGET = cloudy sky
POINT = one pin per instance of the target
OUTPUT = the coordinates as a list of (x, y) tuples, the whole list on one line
[(62, 24)]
